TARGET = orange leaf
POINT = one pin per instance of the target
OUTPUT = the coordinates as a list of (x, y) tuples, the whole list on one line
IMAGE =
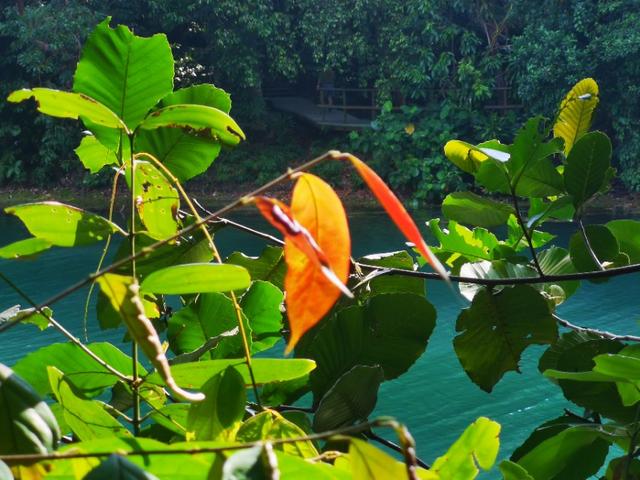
[(310, 294), (397, 212)]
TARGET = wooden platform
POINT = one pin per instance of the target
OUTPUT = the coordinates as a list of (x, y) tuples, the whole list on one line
[(336, 118)]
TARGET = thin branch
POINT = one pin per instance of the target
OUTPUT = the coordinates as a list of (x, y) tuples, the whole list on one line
[(64, 331), (132, 249), (209, 344), (362, 427), (587, 243), (393, 446), (600, 333), (333, 155), (526, 232)]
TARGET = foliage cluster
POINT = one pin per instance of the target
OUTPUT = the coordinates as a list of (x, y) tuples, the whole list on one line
[(221, 401), (445, 56)]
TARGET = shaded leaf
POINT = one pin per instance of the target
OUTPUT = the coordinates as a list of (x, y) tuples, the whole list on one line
[(393, 283), (63, 225), (587, 165), (497, 328), (603, 243), (26, 422), (269, 266), (627, 232), (253, 463), (117, 467)]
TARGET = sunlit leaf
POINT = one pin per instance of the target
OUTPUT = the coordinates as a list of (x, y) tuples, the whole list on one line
[(200, 118), (196, 278), (477, 447), (29, 247), (513, 471), (458, 240), (40, 320), (367, 462), (397, 213), (270, 425), (68, 105), (464, 155), (310, 294), (472, 209), (127, 73), (266, 370), (63, 225), (94, 155), (219, 416), (26, 422), (255, 463), (627, 232), (124, 295), (576, 110), (87, 418)]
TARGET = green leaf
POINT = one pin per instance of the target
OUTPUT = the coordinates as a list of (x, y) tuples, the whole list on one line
[(465, 156), (603, 243), (94, 155), (627, 232), (557, 261), (497, 328), (529, 148), (295, 467), (269, 266), (491, 270), (251, 464), (219, 416), (472, 209), (38, 319), (266, 370), (270, 425), (370, 463), (458, 241), (351, 399), (26, 422), (86, 374), (587, 167), (559, 450), (173, 417), (541, 179), (186, 155), (120, 468), (576, 110), (618, 365), (200, 118), (261, 305), (61, 104), (128, 74), (87, 418), (477, 447), (196, 278), (513, 471), (389, 330), (571, 361), (393, 283), (617, 467), (23, 249), (157, 201), (63, 225)]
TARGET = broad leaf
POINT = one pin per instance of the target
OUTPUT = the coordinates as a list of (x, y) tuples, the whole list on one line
[(196, 278), (28, 315), (120, 468), (87, 418), (472, 209), (576, 110), (255, 463), (219, 416), (68, 105), (266, 370), (477, 447), (587, 165), (497, 328), (184, 153), (604, 245), (94, 155), (513, 471), (128, 74), (367, 462), (389, 330), (458, 240), (261, 304), (351, 399), (310, 294), (200, 118), (123, 292), (270, 425), (465, 156), (393, 283), (491, 270), (557, 261), (269, 266), (63, 225), (157, 200), (627, 232), (26, 422)]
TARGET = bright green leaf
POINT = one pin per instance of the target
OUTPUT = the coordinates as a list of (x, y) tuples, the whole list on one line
[(94, 155), (472, 209), (196, 278), (25, 248)]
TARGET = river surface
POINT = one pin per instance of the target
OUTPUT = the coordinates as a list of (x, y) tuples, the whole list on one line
[(435, 399)]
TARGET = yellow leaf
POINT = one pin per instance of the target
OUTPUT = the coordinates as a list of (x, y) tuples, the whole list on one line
[(464, 155), (576, 111), (409, 128)]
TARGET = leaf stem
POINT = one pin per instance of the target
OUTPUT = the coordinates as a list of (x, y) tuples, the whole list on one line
[(526, 233), (600, 333), (132, 247), (587, 243)]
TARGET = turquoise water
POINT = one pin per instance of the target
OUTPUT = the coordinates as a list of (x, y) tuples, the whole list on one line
[(435, 399)]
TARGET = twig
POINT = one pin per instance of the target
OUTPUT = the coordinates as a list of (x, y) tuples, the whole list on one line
[(393, 446), (132, 248), (64, 331), (600, 333), (527, 235), (209, 344), (587, 244)]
